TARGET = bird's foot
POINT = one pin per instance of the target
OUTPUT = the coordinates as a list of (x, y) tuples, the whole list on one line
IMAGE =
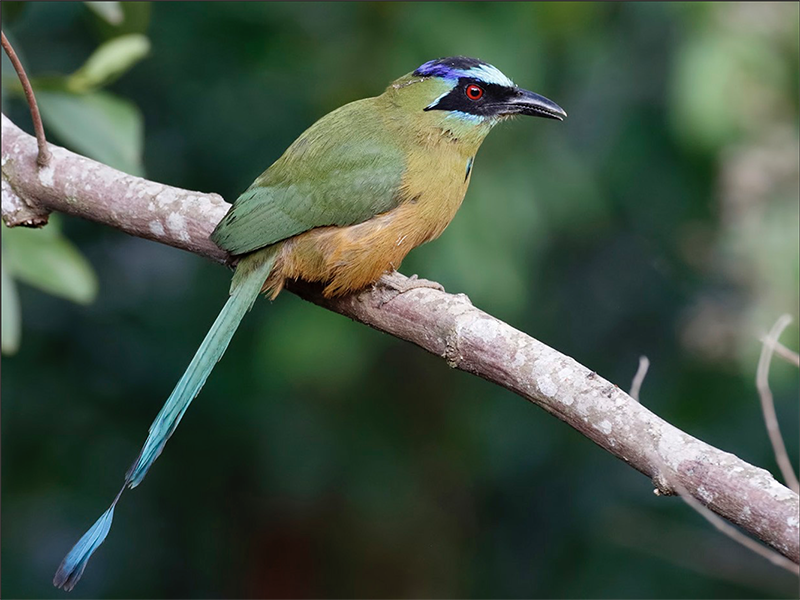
[(400, 285)]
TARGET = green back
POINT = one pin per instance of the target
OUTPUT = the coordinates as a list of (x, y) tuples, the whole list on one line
[(343, 170)]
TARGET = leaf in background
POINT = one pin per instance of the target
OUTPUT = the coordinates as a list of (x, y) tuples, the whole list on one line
[(109, 61), (722, 85), (45, 259), (100, 125), (703, 112), (110, 12), (135, 19), (12, 316), (11, 12)]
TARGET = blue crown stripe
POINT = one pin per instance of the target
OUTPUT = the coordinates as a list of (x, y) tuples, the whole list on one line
[(456, 67)]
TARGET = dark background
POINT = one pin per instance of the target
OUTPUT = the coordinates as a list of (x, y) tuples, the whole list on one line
[(324, 459)]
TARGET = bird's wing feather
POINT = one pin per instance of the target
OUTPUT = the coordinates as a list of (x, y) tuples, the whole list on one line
[(345, 169)]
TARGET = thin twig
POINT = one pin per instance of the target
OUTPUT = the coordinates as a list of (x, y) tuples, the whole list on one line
[(721, 526), (733, 533), (768, 404), (641, 373), (785, 353), (43, 159)]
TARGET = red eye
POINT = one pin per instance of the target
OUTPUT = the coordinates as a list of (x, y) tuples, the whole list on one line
[(474, 92)]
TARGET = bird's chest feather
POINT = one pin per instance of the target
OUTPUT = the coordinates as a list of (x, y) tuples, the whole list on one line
[(350, 258), (434, 189)]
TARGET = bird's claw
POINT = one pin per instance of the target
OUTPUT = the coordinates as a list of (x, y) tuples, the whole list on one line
[(405, 285)]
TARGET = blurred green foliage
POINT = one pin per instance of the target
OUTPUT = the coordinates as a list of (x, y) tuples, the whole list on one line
[(45, 259), (324, 459), (98, 124)]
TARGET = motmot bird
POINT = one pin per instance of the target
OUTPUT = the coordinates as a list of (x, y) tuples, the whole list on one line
[(342, 206)]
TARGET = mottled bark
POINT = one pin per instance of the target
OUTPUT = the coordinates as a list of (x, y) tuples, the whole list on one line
[(85, 188)]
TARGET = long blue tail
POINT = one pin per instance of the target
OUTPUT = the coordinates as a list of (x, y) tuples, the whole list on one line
[(247, 283)]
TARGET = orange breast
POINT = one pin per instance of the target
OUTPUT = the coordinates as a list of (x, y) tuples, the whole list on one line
[(350, 258)]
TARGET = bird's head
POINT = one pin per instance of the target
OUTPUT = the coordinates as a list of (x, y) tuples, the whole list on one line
[(464, 92)]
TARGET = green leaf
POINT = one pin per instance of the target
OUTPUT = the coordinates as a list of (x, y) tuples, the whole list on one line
[(109, 61), (99, 125), (135, 19), (110, 12), (12, 316), (45, 259)]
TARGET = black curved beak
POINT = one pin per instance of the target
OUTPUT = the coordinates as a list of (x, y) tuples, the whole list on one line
[(523, 102)]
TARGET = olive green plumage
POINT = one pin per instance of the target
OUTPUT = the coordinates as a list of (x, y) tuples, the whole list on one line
[(341, 171), (346, 168)]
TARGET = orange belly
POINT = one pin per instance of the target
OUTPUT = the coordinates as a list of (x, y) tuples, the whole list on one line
[(350, 258)]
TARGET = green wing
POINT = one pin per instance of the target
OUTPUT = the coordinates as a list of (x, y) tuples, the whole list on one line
[(345, 169)]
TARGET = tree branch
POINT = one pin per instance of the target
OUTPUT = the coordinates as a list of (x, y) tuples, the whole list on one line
[(81, 187), (718, 524), (443, 324)]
